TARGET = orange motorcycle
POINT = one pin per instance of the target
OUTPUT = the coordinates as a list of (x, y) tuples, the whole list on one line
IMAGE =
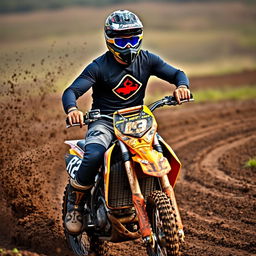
[(133, 193)]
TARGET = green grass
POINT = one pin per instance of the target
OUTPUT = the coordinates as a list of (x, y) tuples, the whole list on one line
[(251, 163), (14, 251), (240, 93), (212, 95)]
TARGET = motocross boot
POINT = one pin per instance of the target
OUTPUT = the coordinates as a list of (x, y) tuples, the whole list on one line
[(77, 195)]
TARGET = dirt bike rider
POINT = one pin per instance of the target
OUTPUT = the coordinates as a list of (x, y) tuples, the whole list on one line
[(118, 79)]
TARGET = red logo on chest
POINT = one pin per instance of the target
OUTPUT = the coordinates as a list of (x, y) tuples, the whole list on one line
[(127, 87)]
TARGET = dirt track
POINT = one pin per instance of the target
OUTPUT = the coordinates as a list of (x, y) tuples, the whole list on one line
[(215, 192)]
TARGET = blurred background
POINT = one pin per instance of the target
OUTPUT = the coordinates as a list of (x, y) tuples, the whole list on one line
[(55, 39)]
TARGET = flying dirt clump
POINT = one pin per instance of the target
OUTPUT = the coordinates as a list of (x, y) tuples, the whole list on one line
[(28, 128)]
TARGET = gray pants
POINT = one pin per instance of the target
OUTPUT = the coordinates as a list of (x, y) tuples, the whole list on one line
[(100, 132), (98, 138)]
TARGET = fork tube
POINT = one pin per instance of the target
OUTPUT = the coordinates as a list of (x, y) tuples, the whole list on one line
[(168, 189), (157, 145), (137, 197)]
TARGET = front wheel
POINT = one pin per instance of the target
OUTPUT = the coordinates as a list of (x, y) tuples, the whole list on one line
[(164, 226)]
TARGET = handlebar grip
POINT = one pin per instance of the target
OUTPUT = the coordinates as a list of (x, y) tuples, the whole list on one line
[(172, 100), (85, 122)]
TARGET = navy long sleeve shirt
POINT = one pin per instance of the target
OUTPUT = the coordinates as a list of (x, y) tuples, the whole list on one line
[(116, 86)]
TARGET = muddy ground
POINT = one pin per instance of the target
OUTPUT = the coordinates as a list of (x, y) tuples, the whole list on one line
[(215, 191)]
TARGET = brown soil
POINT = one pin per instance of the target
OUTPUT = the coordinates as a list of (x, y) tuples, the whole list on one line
[(215, 192)]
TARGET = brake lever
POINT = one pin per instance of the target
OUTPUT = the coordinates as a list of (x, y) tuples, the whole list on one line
[(185, 101)]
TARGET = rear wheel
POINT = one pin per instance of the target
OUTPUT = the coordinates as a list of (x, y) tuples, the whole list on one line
[(82, 244), (164, 226)]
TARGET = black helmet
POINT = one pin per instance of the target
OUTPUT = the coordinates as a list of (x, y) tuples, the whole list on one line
[(123, 34)]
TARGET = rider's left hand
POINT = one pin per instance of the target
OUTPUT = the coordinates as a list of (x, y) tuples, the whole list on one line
[(181, 93)]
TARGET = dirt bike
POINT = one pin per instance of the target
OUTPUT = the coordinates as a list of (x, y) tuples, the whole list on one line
[(133, 193)]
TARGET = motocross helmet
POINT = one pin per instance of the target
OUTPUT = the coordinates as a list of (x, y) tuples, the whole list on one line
[(123, 34)]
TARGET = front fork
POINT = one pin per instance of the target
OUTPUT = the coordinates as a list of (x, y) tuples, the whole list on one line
[(168, 189), (139, 201), (137, 197)]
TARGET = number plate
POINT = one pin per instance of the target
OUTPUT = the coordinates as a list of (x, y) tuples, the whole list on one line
[(135, 126)]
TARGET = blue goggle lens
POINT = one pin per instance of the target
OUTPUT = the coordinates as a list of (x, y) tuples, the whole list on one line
[(122, 42)]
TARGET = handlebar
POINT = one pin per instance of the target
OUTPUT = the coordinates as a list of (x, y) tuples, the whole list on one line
[(169, 101), (95, 114)]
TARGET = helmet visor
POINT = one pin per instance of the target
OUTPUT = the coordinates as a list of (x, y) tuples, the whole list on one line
[(124, 41)]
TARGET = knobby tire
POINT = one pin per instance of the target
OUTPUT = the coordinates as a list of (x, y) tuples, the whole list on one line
[(158, 203)]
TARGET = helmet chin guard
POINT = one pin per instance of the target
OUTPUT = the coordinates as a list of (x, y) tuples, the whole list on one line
[(123, 35), (127, 55)]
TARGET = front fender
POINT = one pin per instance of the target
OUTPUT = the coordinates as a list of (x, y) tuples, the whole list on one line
[(173, 160)]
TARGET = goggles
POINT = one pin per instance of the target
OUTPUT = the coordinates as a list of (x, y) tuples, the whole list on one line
[(122, 42)]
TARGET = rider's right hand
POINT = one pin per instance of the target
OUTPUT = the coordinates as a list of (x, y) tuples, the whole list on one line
[(75, 116)]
